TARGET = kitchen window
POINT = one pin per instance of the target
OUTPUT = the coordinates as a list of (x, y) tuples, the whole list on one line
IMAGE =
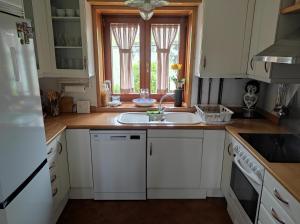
[(138, 53)]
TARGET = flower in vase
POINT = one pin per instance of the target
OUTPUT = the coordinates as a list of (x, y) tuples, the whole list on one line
[(179, 82)]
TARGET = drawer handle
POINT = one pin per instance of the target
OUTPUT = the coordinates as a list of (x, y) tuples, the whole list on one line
[(52, 166), (60, 148), (53, 178), (55, 192), (51, 150), (278, 196), (228, 149), (276, 217)]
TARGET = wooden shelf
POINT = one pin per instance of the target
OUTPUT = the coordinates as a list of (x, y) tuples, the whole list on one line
[(291, 9)]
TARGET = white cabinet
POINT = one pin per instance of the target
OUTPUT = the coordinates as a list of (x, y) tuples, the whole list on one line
[(12, 6), (80, 163), (278, 202), (213, 147), (224, 37), (174, 164), (59, 173), (70, 39), (227, 163), (35, 11), (269, 26)]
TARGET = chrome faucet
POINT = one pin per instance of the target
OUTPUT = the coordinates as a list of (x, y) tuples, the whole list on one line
[(160, 108)]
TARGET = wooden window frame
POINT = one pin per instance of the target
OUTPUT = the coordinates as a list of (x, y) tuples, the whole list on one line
[(145, 52), (101, 10)]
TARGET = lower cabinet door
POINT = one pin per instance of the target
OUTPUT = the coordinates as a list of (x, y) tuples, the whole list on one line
[(63, 166), (227, 162), (79, 158), (174, 163)]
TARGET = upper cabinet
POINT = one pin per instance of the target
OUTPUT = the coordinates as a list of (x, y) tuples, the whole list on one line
[(70, 38), (63, 37), (35, 11), (14, 7), (268, 26), (224, 37)]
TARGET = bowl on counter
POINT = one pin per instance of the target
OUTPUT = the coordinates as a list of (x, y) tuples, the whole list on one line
[(144, 102)]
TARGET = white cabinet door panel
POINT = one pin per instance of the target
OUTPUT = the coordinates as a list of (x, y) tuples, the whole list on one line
[(225, 38), (263, 34), (174, 163), (79, 158), (213, 147)]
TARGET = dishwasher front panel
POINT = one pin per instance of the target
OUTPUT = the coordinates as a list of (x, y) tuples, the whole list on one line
[(119, 164)]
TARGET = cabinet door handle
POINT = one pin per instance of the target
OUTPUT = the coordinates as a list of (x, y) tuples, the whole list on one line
[(204, 62), (50, 151), (60, 148), (228, 149), (276, 217), (251, 64), (151, 149), (266, 67), (53, 178), (278, 196)]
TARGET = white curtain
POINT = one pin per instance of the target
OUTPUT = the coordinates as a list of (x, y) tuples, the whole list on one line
[(164, 36), (124, 34)]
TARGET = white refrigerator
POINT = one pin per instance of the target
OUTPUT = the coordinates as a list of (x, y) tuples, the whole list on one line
[(25, 188)]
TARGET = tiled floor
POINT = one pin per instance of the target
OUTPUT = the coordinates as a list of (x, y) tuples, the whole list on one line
[(210, 211)]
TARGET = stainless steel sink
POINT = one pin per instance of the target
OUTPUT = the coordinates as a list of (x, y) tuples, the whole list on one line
[(169, 118)]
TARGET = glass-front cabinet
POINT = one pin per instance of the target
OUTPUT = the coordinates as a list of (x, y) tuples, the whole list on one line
[(68, 22), (63, 37)]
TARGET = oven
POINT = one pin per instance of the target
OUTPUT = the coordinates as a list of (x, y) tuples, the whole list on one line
[(246, 185)]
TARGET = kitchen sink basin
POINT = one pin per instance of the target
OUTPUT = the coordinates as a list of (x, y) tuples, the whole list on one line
[(168, 118)]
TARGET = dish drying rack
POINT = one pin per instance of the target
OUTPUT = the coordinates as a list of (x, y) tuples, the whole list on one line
[(214, 114)]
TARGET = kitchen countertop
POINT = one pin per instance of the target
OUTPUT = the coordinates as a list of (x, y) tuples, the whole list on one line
[(287, 174)]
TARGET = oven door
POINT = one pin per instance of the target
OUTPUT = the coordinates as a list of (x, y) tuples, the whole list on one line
[(247, 195)]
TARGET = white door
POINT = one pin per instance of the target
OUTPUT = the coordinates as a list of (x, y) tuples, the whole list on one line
[(63, 167), (263, 34), (174, 163), (79, 158), (225, 38), (213, 147), (34, 204), (227, 163), (22, 134)]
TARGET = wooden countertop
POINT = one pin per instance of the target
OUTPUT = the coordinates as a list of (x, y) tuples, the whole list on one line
[(287, 174), (55, 125)]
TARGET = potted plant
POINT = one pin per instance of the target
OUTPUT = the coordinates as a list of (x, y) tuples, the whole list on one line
[(179, 83)]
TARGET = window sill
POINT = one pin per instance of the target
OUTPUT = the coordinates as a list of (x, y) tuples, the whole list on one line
[(130, 107)]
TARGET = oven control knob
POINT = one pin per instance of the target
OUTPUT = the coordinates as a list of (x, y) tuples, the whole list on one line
[(251, 165), (247, 160), (244, 157), (241, 154)]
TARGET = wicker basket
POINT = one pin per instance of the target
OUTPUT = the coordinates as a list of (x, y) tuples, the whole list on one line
[(214, 113)]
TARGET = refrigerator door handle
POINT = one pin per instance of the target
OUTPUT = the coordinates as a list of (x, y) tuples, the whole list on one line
[(13, 54)]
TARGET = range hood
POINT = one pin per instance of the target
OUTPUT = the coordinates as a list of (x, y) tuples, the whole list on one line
[(286, 51)]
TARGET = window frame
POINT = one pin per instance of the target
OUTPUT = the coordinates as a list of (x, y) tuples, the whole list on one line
[(145, 48)]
